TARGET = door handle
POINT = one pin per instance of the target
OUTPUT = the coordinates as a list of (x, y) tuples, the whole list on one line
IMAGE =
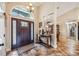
[(2, 44), (4, 35)]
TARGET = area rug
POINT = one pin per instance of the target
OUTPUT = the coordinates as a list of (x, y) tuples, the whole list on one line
[(37, 50)]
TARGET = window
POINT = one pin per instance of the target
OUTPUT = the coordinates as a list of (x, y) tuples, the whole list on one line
[(21, 12)]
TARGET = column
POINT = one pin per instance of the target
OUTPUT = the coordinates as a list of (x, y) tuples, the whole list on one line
[(55, 30)]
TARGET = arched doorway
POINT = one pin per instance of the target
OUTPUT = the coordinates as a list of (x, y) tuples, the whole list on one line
[(22, 30)]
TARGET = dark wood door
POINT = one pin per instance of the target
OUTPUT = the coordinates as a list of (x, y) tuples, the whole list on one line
[(23, 33), (78, 30), (58, 33)]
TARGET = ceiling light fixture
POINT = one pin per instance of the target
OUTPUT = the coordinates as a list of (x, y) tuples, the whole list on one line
[(30, 7)]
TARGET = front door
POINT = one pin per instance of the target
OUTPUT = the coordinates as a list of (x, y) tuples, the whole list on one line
[(21, 33), (78, 30)]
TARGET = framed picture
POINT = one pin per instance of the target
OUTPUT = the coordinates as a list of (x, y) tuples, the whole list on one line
[(40, 24)]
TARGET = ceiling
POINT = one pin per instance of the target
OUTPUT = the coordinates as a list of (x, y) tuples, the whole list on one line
[(40, 3), (66, 6), (37, 3)]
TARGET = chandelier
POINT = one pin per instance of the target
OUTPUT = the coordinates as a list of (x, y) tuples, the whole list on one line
[(30, 7)]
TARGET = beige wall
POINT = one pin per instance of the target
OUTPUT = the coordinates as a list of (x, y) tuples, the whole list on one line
[(9, 7), (45, 9), (66, 13), (48, 13), (71, 15)]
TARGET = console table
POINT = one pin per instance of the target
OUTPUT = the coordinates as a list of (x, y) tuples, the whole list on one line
[(48, 38)]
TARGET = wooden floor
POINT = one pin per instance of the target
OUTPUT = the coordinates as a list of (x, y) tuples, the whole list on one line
[(65, 48)]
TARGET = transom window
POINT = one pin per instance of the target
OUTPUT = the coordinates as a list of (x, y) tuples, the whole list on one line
[(21, 12)]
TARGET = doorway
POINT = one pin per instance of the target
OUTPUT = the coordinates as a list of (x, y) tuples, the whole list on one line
[(22, 32), (72, 30), (58, 32)]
